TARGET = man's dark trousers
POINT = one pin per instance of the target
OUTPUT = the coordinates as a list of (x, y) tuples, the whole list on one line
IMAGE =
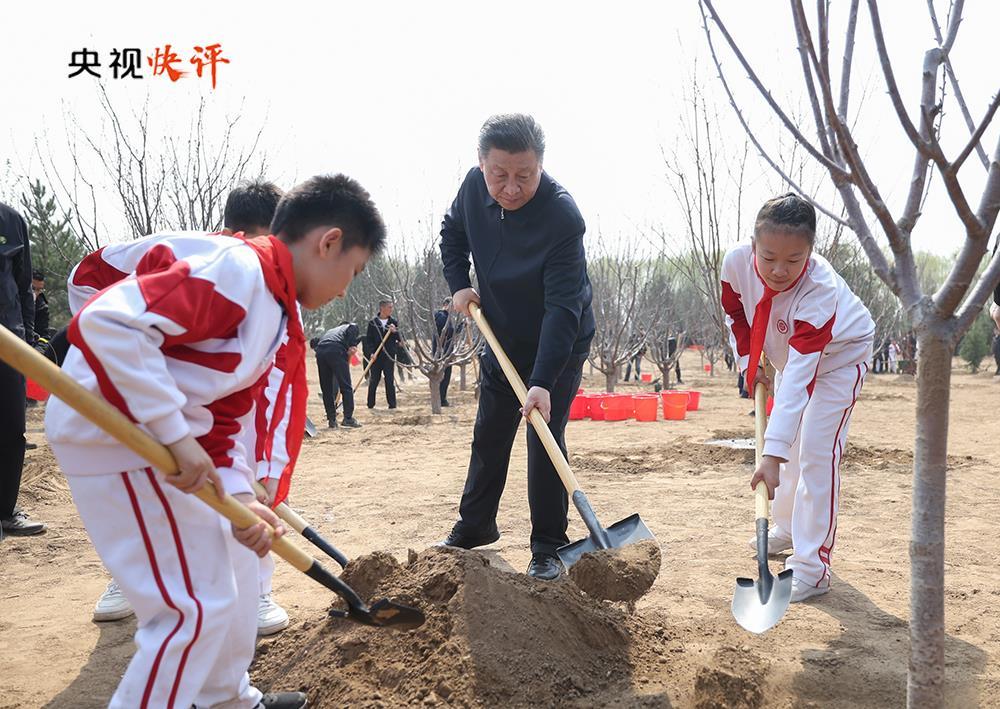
[(384, 365), (496, 426), (11, 437), (445, 381), (334, 376)]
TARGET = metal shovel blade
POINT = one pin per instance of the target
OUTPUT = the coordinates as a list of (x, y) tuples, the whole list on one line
[(310, 428), (383, 614), (759, 605), (628, 531)]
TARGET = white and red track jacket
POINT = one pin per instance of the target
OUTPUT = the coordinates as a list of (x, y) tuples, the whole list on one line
[(111, 264), (190, 363), (815, 326)]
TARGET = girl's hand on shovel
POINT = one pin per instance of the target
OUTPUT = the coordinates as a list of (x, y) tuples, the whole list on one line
[(257, 537), (768, 472), (538, 398), (194, 467)]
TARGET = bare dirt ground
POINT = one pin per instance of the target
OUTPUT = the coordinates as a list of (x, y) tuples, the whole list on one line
[(394, 485)]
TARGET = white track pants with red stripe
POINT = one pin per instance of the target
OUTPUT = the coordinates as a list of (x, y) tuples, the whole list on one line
[(193, 587), (808, 496)]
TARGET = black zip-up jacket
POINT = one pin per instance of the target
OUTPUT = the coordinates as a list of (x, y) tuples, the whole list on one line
[(374, 335), (340, 338), (532, 272), (17, 305)]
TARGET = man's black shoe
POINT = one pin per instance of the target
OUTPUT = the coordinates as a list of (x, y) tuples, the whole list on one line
[(284, 700), (332, 424), (350, 423), (30, 446), (18, 525), (454, 539), (445, 403), (545, 567)]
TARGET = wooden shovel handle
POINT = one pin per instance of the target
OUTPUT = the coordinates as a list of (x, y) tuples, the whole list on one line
[(23, 358), (536, 419), (762, 504)]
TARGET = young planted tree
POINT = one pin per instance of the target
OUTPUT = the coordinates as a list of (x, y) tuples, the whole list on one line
[(626, 309), (940, 318), (666, 343)]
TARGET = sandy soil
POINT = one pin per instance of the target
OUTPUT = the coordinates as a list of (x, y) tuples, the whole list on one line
[(847, 648)]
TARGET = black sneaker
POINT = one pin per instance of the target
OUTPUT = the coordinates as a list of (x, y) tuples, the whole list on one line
[(445, 403), (350, 423), (284, 700), (462, 541), (545, 567), (18, 525), (332, 424), (30, 446)]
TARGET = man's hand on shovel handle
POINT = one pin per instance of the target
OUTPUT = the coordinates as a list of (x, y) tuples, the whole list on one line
[(538, 398), (194, 467), (461, 299), (257, 537), (768, 472)]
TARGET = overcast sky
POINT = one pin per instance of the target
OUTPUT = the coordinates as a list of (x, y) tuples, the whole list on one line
[(393, 93)]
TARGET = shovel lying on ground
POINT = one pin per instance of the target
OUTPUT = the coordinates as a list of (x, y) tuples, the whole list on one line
[(629, 530), (20, 356), (296, 522), (758, 606)]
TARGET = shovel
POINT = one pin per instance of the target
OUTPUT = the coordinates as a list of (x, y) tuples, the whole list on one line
[(758, 606), (627, 531), (299, 524), (15, 352)]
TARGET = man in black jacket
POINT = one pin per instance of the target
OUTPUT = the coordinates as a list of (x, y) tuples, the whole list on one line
[(444, 342), (385, 363), (525, 235), (17, 314), (333, 358)]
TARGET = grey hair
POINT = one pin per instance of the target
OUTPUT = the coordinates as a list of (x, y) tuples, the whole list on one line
[(512, 133)]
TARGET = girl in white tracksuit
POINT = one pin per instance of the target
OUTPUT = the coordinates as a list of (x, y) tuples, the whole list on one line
[(786, 302)]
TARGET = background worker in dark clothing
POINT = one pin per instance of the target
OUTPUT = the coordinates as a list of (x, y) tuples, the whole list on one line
[(638, 341), (41, 321), (333, 358), (444, 342), (17, 314), (385, 363), (525, 235)]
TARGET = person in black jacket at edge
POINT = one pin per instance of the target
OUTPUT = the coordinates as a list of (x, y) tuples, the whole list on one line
[(444, 342), (525, 236), (333, 359), (385, 363), (17, 314)]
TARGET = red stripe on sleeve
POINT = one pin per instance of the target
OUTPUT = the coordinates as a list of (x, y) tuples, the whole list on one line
[(95, 272), (219, 441), (809, 339), (732, 303), (219, 361), (108, 390)]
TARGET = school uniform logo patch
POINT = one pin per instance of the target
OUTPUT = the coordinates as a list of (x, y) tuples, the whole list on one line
[(782, 326)]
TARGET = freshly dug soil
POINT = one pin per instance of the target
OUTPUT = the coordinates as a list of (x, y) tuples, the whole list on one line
[(623, 574), (492, 638), (734, 680)]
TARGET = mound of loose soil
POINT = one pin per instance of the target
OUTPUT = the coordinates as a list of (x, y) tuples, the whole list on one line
[(733, 681), (492, 638), (623, 574)]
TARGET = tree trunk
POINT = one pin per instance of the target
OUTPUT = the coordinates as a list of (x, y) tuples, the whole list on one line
[(925, 682), (434, 380), (665, 373), (461, 377), (611, 378)]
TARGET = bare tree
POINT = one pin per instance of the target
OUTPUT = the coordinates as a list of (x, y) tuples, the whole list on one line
[(158, 180), (939, 319), (625, 308), (707, 184)]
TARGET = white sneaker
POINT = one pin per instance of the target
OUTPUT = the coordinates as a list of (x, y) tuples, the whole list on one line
[(112, 605), (777, 542), (802, 590), (271, 618)]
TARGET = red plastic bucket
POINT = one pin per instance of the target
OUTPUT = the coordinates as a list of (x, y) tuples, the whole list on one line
[(578, 409), (708, 368), (355, 361), (596, 407), (646, 406), (675, 405), (617, 407), (694, 400), (647, 377), (35, 392)]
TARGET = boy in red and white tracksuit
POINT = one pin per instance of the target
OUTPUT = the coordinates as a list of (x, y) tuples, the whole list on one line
[(785, 301), (182, 346)]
